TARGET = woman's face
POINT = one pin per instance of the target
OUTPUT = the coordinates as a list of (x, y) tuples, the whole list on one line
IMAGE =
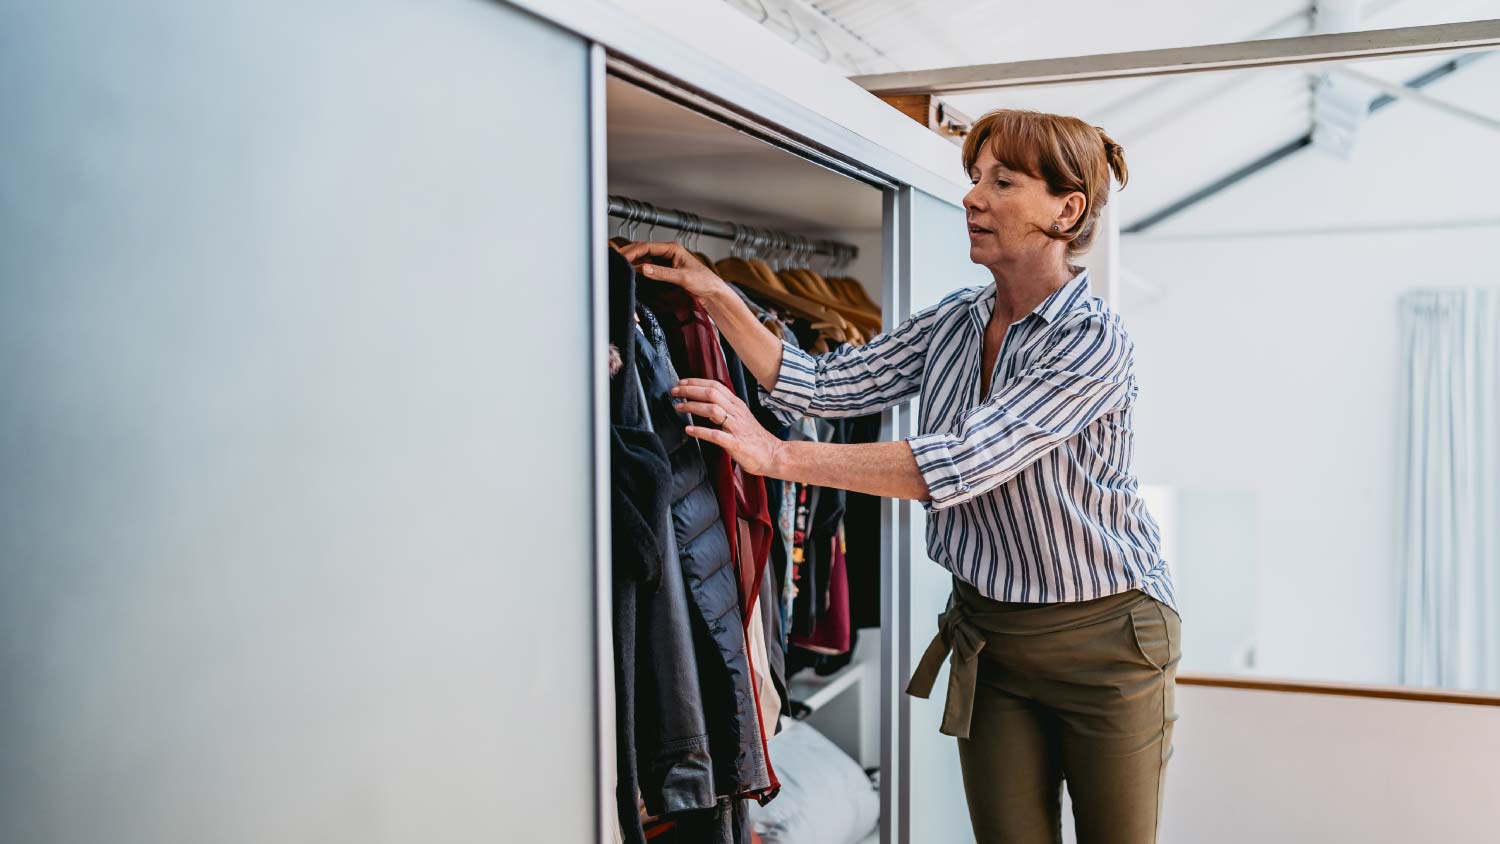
[(1009, 212)]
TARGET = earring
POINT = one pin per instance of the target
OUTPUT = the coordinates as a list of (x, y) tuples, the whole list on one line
[(1056, 227)]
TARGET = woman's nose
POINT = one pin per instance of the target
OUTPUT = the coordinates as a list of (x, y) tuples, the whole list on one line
[(971, 200)]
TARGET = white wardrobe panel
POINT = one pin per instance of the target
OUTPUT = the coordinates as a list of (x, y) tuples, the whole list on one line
[(936, 262), (295, 450)]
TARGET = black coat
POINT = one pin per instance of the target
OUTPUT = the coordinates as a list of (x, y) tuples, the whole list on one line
[(662, 741)]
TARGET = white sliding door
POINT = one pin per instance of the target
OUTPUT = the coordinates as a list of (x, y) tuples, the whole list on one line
[(295, 441), (936, 262)]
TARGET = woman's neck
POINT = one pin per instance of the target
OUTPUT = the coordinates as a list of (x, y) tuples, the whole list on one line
[(1022, 285)]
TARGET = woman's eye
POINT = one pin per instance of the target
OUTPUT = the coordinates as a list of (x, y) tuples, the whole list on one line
[(1002, 183)]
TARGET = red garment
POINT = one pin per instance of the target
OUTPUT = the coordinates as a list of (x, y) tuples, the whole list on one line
[(694, 343), (832, 633)]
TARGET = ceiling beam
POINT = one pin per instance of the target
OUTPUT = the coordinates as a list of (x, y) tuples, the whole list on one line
[(1415, 95), (1285, 150), (1468, 36)]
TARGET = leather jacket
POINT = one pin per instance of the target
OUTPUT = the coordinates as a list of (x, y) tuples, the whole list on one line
[(663, 745)]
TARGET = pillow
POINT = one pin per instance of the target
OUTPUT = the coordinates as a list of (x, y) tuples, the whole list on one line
[(825, 798)]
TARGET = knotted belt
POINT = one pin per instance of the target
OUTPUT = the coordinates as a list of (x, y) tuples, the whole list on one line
[(964, 628), (956, 634)]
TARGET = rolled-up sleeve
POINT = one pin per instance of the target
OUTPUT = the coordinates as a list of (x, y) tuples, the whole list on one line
[(796, 384), (854, 380), (1085, 373)]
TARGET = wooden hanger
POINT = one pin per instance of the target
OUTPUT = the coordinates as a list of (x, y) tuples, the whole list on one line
[(870, 321), (744, 273), (855, 293)]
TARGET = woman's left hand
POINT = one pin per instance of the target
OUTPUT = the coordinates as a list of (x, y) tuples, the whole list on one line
[(738, 432)]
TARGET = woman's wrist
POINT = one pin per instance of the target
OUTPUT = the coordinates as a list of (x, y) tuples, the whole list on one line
[(780, 464), (719, 298)]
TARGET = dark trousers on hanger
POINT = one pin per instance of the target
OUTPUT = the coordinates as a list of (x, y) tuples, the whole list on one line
[(1042, 693)]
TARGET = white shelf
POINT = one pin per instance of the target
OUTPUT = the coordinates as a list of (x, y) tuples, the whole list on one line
[(817, 691)]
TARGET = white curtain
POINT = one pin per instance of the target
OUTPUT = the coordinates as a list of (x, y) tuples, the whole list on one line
[(1448, 525)]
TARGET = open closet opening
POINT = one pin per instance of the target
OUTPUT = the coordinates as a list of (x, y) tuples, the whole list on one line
[(748, 659)]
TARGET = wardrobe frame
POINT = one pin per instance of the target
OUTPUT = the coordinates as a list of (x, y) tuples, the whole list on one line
[(630, 50), (895, 516)]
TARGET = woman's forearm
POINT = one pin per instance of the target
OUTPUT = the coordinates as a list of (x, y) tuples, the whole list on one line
[(885, 469), (758, 348)]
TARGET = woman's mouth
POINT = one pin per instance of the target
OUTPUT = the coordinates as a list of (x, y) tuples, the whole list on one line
[(976, 231)]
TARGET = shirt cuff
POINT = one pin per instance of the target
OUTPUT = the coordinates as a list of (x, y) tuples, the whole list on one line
[(945, 483), (796, 384)]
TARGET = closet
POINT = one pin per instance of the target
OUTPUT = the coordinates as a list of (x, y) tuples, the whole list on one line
[(307, 444), (804, 245)]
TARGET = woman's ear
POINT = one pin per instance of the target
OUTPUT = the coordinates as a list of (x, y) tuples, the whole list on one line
[(1074, 206)]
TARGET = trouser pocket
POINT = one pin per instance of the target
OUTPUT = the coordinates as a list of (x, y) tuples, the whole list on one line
[(1157, 634)]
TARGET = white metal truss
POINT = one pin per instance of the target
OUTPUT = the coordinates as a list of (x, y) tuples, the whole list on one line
[(1337, 48), (1413, 95)]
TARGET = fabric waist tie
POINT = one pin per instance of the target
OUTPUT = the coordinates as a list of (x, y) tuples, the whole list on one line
[(963, 628)]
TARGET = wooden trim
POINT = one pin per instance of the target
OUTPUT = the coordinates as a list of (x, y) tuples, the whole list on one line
[(1407, 693), (918, 107), (932, 113)]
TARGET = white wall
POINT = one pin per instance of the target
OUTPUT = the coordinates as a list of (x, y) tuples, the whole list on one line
[(1252, 767), (1268, 368), (1264, 372)]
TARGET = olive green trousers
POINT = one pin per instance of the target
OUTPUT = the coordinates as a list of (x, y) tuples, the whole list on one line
[(1039, 694)]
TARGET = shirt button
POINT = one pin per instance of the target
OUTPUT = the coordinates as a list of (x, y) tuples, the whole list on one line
[(963, 487)]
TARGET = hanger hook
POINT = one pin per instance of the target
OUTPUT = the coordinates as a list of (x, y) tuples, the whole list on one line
[(635, 219)]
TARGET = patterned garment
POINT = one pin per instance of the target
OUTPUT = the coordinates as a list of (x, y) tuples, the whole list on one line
[(1032, 494), (785, 521)]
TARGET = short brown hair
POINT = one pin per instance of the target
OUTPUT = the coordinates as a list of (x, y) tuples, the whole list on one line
[(1065, 152)]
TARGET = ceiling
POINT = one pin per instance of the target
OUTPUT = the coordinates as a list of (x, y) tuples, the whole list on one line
[(1180, 133)]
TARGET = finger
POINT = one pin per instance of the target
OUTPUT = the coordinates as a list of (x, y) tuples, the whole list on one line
[(724, 395), (670, 275), (695, 390), (696, 382), (637, 252), (712, 412), (712, 435), (701, 389)]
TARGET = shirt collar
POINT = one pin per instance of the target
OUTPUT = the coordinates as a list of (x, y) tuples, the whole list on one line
[(1050, 308)]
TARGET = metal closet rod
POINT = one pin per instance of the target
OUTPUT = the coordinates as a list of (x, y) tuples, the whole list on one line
[(635, 210)]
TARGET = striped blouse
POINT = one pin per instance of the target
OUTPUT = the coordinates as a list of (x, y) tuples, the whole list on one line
[(1032, 495)]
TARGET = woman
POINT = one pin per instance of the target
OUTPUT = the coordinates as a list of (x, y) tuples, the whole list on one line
[(1062, 629)]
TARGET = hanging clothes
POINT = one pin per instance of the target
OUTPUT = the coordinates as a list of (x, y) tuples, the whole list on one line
[(862, 532), (694, 345), (724, 667), (662, 747), (696, 352)]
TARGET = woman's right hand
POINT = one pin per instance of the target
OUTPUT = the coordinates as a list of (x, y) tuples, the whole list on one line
[(686, 271)]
